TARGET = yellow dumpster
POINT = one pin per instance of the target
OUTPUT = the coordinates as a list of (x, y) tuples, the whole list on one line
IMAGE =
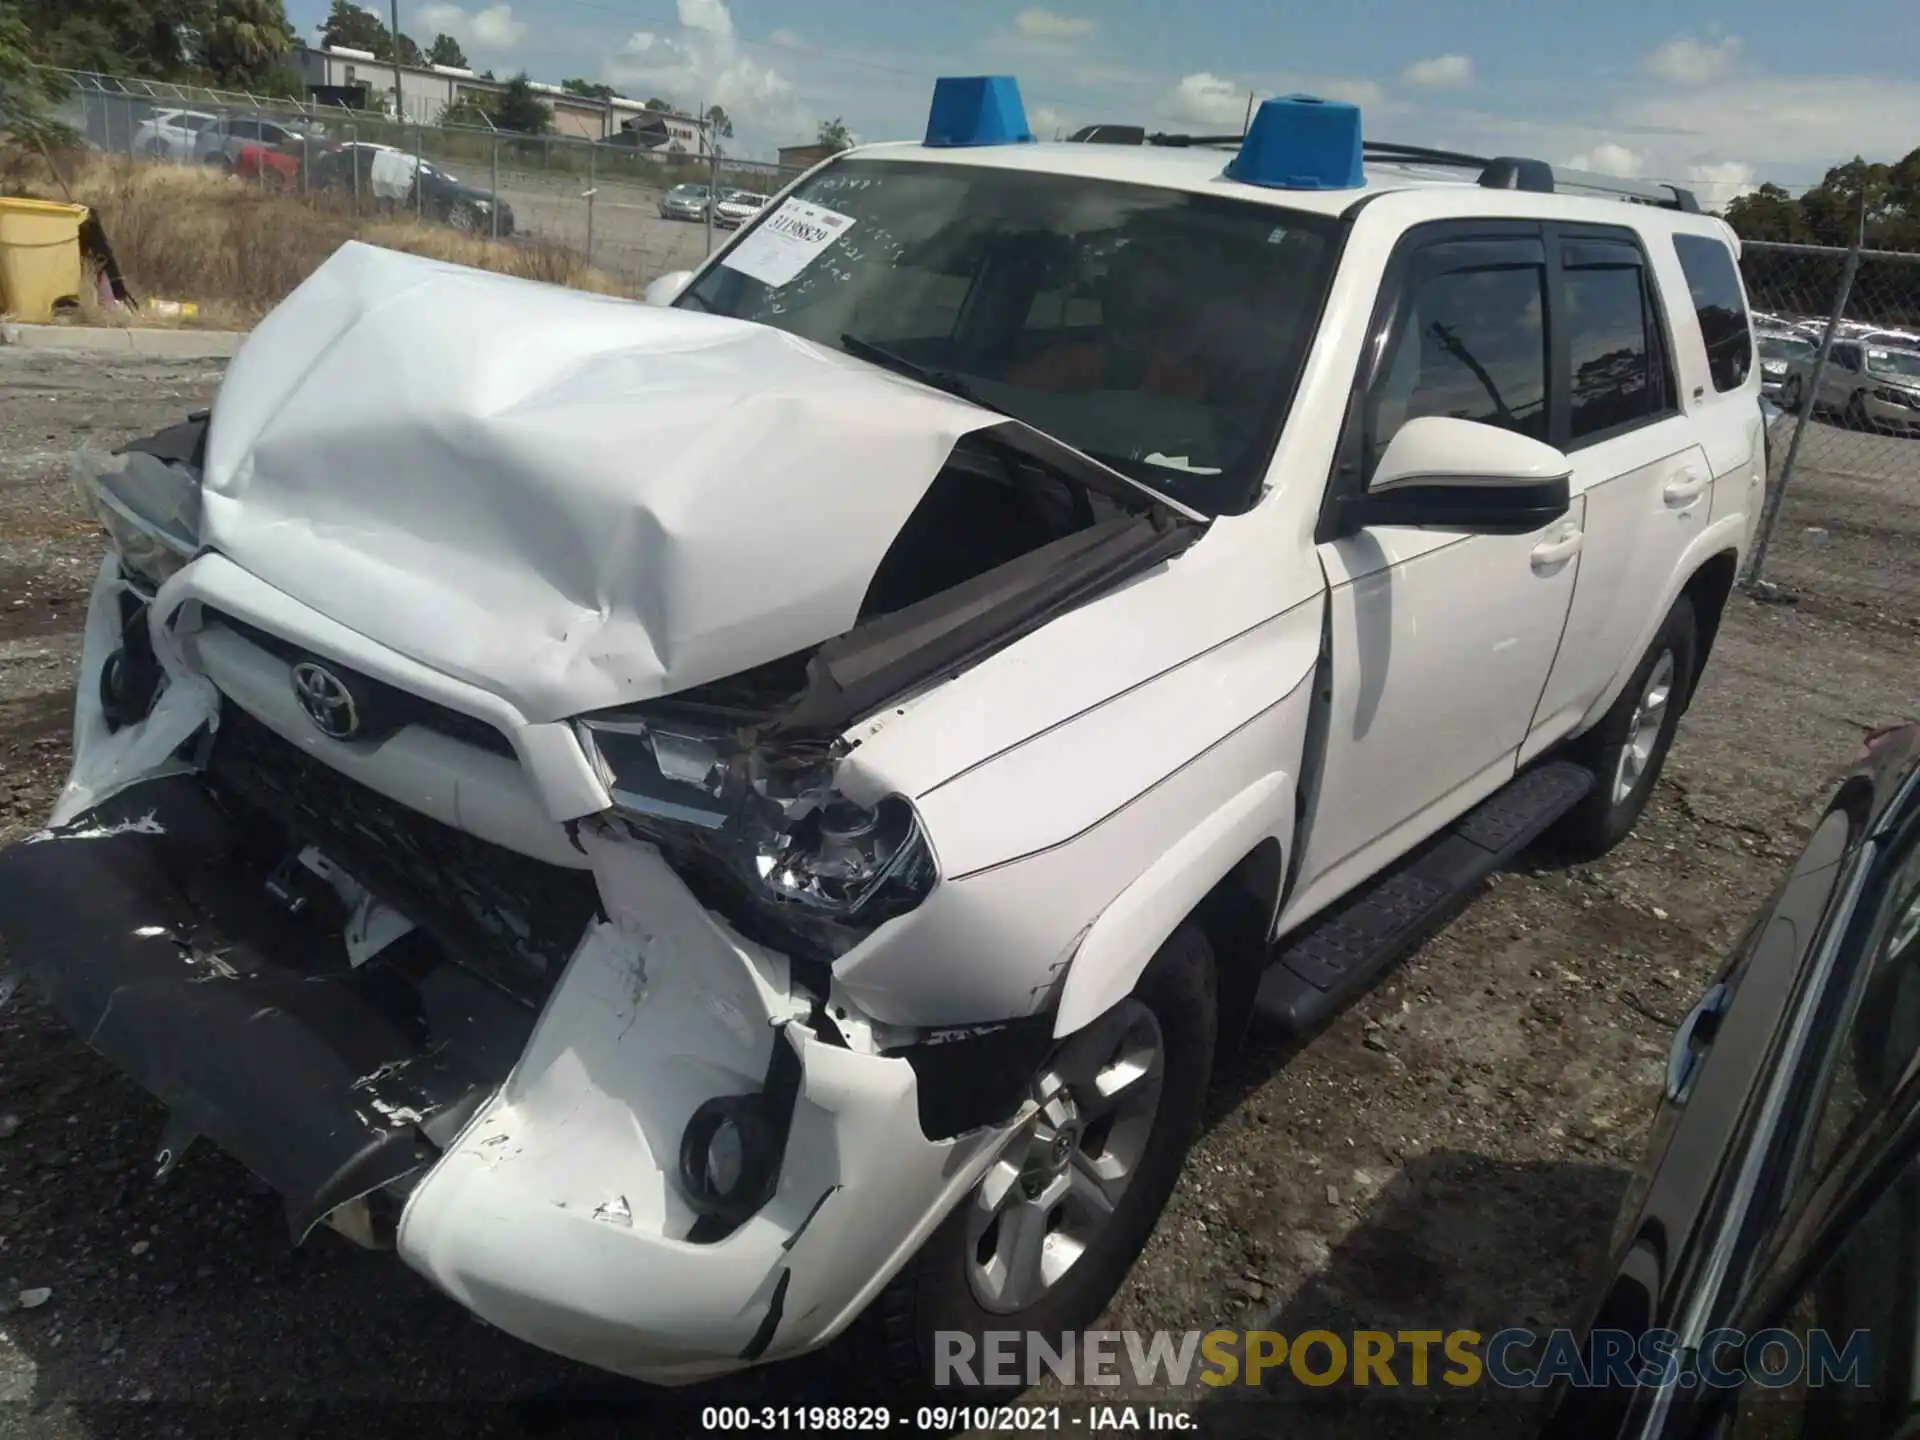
[(39, 256)]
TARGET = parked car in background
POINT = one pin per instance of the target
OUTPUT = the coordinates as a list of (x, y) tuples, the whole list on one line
[(685, 202), (1780, 1186), (170, 134), (278, 169), (387, 177), (220, 141), (1870, 387), (1778, 350), (1894, 339), (736, 207)]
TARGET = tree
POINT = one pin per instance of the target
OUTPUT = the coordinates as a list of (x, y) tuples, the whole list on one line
[(349, 26), (719, 123), (520, 108), (1855, 198), (835, 135), (591, 89), (445, 50), (656, 103), (245, 42), (1770, 213), (28, 93), (150, 39)]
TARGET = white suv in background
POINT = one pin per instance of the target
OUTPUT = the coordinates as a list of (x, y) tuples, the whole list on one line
[(170, 134), (701, 823)]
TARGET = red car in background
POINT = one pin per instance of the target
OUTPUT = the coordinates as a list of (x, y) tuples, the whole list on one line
[(267, 166)]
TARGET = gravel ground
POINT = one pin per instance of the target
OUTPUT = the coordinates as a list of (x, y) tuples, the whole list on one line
[(1448, 1153)]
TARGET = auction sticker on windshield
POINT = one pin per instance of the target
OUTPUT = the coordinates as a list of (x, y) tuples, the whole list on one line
[(786, 242)]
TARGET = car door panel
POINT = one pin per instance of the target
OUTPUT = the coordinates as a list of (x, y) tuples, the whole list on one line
[(1645, 502), (1441, 642), (1637, 462)]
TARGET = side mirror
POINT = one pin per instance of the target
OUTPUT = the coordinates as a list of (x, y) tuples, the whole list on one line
[(1462, 475), (665, 290)]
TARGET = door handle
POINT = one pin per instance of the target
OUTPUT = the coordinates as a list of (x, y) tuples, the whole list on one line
[(1557, 551), (1691, 1040), (1684, 488)]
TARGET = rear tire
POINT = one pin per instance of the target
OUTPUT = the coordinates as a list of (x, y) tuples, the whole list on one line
[(1627, 749), (967, 1279)]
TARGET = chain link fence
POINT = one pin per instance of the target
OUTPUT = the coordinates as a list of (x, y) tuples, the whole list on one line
[(602, 199), (1838, 332)]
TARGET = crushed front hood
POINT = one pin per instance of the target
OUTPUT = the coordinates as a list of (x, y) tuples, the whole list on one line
[(568, 500)]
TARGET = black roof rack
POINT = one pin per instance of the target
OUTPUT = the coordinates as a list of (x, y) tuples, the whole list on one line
[(1501, 172)]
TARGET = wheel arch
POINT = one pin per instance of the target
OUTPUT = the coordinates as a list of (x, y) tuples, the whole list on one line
[(1708, 588), (1224, 874)]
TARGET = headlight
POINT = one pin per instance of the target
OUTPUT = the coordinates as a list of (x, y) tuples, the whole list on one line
[(150, 509), (773, 818), (1774, 367)]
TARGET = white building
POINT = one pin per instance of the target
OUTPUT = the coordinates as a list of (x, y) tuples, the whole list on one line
[(428, 91)]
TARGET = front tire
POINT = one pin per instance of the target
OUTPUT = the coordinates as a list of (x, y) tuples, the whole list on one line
[(1790, 393), (1044, 1240), (1627, 749), (464, 218)]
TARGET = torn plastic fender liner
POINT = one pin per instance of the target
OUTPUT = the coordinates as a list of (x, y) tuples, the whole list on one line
[(146, 925), (106, 760)]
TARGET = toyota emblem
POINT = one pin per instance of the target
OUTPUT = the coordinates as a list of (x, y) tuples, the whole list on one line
[(327, 700)]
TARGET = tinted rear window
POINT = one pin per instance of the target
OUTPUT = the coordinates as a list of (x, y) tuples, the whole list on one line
[(1720, 307)]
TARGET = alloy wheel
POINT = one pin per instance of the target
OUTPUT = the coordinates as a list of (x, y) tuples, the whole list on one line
[(1643, 730), (1056, 1185)]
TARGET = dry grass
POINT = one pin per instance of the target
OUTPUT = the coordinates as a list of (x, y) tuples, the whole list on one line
[(187, 233)]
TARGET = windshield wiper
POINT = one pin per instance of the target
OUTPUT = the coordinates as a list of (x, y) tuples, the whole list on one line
[(938, 379)]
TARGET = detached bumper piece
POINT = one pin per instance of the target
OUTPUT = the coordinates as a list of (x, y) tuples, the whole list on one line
[(149, 925)]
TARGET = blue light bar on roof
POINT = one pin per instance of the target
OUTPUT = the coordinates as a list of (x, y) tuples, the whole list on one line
[(1300, 142), (977, 110)]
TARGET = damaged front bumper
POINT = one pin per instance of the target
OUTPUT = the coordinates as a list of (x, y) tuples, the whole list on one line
[(524, 1155)]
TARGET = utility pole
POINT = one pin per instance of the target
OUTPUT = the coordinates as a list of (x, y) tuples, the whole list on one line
[(399, 109), (1247, 124)]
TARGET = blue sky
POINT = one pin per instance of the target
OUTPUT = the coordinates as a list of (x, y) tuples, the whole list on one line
[(1737, 94)]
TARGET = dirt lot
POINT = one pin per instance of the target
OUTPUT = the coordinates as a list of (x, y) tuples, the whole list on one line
[(1446, 1154), (629, 237)]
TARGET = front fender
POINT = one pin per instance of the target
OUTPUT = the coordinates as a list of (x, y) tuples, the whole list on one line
[(1117, 948)]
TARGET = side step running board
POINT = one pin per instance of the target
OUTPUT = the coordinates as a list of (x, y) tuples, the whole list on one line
[(1313, 970)]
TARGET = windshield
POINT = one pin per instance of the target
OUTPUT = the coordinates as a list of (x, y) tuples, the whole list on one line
[(1158, 331), (1903, 363), (1784, 347)]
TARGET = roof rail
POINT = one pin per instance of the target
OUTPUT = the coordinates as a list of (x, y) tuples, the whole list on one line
[(1504, 172)]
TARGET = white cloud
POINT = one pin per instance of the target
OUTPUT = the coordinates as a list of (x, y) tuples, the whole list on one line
[(1039, 24), (787, 40), (1440, 72), (1045, 120), (1207, 99), (1607, 158), (711, 16), (1687, 61), (1722, 182), (703, 65), (490, 31)]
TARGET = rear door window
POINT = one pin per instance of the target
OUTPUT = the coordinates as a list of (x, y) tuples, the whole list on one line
[(1720, 306), (1617, 363)]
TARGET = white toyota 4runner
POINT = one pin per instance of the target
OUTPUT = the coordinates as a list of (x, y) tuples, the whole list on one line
[(701, 822)]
